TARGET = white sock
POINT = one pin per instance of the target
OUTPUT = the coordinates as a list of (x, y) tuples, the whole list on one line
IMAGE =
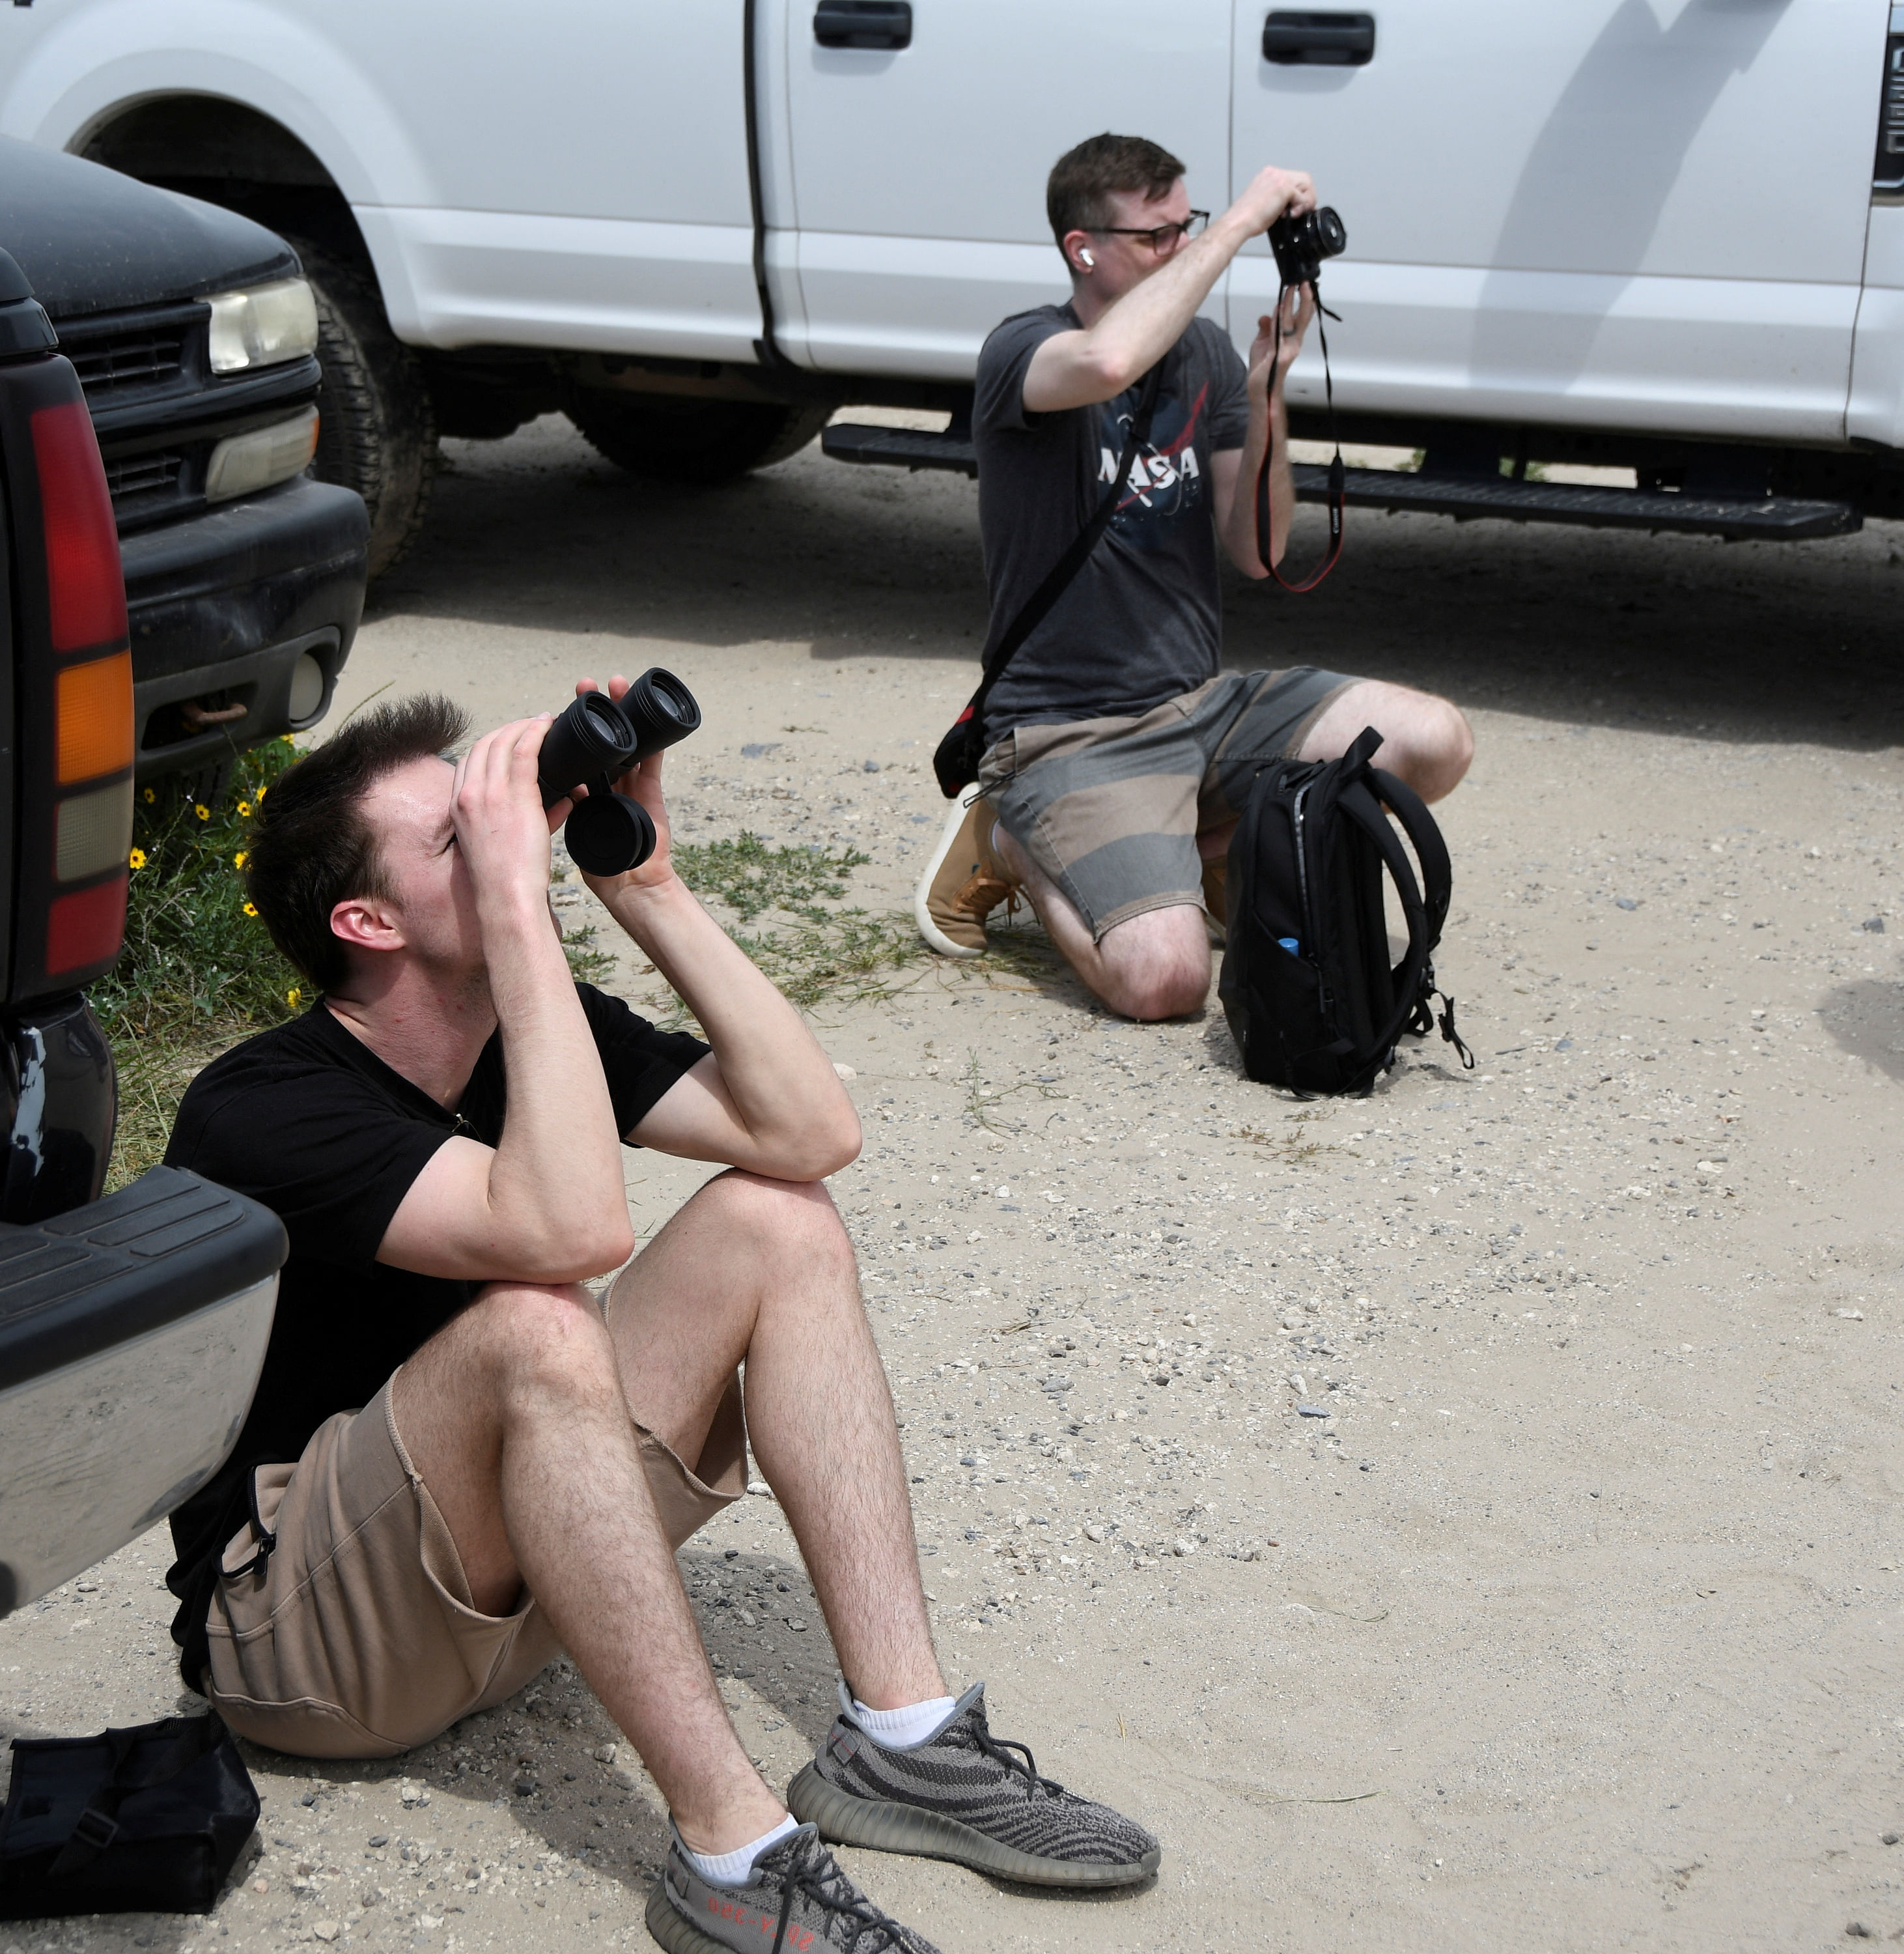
[(899, 1729), (731, 1869)]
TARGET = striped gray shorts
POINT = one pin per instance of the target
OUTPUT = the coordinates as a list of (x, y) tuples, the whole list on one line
[(1110, 809)]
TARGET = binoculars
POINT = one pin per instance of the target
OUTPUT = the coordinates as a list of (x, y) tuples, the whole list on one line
[(594, 740)]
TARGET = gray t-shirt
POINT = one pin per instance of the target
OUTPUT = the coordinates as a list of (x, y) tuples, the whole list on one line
[(1141, 622)]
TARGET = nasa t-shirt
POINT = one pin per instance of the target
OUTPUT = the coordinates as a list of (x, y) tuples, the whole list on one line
[(1141, 622)]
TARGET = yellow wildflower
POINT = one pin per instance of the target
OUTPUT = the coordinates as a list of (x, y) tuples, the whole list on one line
[(260, 794), (244, 807), (238, 860), (251, 909), (137, 858), (203, 813), (150, 795), (294, 996)]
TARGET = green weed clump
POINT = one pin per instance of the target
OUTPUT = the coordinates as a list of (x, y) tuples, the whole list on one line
[(196, 954), (817, 954)]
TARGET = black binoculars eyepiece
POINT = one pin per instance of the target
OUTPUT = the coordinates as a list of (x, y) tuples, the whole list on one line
[(1301, 244), (595, 740)]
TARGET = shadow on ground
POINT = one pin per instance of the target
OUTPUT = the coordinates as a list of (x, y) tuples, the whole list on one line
[(1755, 642), (1866, 1017)]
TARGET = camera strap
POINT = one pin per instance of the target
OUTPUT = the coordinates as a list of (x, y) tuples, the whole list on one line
[(1337, 494)]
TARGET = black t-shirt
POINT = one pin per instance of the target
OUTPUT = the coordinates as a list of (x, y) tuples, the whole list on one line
[(1141, 621), (308, 1119)]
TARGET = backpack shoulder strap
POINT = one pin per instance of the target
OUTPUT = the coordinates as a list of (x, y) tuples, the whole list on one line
[(1424, 836), (1358, 804)]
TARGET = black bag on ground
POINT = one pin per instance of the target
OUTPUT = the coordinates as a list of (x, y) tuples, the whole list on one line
[(1313, 1003), (149, 1819)]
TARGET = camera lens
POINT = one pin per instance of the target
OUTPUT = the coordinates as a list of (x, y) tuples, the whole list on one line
[(1331, 235)]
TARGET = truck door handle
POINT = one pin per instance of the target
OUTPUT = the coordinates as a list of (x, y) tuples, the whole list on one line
[(1323, 40), (863, 24)]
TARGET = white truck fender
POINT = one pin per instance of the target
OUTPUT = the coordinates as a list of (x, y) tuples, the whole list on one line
[(64, 91)]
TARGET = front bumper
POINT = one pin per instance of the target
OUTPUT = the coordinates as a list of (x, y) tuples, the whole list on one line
[(223, 606)]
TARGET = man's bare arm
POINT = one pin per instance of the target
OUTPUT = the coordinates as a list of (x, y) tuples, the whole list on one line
[(767, 1098), (547, 1203), (1077, 369)]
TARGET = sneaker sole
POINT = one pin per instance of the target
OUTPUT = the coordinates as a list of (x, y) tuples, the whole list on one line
[(883, 1827), (936, 937), (674, 1930)]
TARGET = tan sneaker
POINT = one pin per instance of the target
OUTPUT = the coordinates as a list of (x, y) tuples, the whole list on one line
[(963, 881)]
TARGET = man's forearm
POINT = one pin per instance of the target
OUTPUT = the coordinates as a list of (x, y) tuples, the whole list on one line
[(1239, 527), (784, 1091), (557, 1174), (1137, 331)]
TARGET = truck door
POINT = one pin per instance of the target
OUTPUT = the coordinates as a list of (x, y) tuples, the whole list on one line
[(1641, 213), (581, 171), (918, 166)]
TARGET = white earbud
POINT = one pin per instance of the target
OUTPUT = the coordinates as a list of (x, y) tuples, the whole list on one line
[(1085, 259)]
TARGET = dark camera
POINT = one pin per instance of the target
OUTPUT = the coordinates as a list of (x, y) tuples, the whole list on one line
[(595, 739), (1301, 244)]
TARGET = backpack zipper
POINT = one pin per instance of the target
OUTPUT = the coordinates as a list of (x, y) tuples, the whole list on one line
[(1301, 887)]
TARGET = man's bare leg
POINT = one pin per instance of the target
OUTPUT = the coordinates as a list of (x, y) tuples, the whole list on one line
[(1154, 966), (1425, 742), (513, 1415), (762, 1269), (1426, 739)]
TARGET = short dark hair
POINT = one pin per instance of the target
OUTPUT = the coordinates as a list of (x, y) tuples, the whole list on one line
[(311, 847), (1077, 192)]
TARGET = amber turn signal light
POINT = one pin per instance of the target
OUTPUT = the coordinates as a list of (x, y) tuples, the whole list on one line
[(95, 722)]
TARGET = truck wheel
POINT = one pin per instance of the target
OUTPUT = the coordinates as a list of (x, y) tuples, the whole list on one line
[(692, 441), (377, 430)]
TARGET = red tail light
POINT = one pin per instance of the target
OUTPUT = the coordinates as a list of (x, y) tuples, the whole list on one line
[(72, 721), (87, 927), (86, 593)]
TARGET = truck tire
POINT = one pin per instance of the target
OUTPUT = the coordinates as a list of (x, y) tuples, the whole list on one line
[(377, 430), (675, 440)]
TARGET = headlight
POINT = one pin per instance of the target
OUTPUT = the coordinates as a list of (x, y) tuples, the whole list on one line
[(263, 325), (241, 464)]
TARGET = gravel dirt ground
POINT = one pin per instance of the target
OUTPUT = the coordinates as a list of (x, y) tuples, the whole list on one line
[(1464, 1517)]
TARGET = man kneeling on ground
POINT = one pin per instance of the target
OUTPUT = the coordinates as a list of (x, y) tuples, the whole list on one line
[(1118, 754), (458, 1462)]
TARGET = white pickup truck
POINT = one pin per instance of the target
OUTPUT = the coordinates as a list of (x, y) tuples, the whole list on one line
[(1660, 235)]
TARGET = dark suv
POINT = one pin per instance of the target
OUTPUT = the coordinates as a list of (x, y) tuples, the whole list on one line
[(193, 333), (132, 1329)]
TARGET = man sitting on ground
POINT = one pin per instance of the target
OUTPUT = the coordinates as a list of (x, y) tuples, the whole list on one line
[(458, 1462), (1118, 754)]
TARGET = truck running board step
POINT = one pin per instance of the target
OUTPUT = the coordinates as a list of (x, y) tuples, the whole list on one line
[(1775, 519), (900, 447)]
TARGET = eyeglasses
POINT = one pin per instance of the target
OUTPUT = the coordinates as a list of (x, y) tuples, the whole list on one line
[(1164, 236)]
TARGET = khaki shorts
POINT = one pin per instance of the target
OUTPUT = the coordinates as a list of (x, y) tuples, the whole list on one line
[(354, 1638), (1111, 809)]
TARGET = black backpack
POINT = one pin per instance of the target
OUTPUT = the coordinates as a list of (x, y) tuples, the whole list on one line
[(1312, 1001)]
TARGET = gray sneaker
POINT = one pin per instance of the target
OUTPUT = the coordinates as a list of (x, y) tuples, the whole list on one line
[(797, 1894), (962, 1795)]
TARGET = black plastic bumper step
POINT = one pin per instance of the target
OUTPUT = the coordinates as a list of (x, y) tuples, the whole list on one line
[(900, 447), (1774, 519)]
